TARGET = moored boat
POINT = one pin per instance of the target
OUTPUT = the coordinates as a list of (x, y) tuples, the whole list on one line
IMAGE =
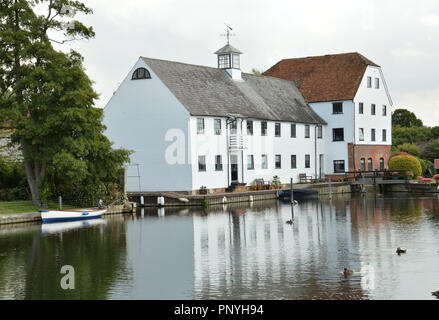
[(49, 215)]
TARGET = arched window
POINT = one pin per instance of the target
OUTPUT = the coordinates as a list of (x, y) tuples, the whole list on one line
[(369, 164), (363, 164), (141, 73), (381, 163)]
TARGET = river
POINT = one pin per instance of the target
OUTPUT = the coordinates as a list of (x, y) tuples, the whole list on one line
[(237, 251)]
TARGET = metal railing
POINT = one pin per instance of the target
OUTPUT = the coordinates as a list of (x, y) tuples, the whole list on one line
[(375, 175)]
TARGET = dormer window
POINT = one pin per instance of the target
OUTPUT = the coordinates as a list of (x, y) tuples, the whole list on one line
[(141, 73)]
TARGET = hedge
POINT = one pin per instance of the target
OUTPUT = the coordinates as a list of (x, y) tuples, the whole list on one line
[(405, 162)]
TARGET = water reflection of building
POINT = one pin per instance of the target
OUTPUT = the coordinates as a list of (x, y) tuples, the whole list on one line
[(257, 255), (160, 253)]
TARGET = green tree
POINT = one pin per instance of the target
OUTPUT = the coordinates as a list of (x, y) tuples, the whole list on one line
[(48, 97), (431, 151), (405, 118), (409, 148), (256, 72), (401, 135)]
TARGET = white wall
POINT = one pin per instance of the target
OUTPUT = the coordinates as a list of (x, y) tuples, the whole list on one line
[(210, 145), (336, 150), (138, 117), (379, 97)]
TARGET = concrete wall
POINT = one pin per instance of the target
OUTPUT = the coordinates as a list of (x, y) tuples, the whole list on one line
[(144, 116)]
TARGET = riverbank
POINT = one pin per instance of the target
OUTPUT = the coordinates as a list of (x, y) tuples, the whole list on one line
[(25, 206), (35, 217), (177, 199)]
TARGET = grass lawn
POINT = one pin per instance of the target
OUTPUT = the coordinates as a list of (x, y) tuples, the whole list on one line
[(10, 207)]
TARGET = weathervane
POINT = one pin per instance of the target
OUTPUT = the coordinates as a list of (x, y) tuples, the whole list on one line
[(228, 34)]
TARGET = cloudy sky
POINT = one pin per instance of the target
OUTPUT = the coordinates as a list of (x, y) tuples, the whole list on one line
[(401, 36)]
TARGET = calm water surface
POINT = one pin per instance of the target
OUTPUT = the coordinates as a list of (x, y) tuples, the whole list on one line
[(233, 252)]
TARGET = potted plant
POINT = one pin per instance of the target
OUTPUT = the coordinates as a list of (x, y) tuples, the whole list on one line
[(409, 175), (203, 190), (395, 175), (276, 182)]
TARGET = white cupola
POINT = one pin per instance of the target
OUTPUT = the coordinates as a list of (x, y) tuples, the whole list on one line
[(229, 60)]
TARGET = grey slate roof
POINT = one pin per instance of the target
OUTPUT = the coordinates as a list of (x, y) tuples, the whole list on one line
[(206, 91), (228, 49)]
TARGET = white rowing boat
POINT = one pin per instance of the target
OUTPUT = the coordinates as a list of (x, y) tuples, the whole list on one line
[(70, 215)]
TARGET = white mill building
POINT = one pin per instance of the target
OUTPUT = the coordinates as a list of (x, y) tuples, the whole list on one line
[(192, 126)]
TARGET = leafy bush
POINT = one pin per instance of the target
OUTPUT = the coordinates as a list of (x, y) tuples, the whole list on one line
[(13, 184), (405, 162), (427, 166)]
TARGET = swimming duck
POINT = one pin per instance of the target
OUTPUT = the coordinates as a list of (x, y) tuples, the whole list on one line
[(399, 250), (347, 272), (436, 294), (290, 222)]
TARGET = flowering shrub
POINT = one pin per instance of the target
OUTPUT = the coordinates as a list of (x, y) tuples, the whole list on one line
[(405, 162)]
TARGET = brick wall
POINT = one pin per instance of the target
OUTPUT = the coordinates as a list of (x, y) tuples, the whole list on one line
[(368, 151)]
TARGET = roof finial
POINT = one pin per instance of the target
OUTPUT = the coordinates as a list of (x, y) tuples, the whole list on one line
[(228, 34)]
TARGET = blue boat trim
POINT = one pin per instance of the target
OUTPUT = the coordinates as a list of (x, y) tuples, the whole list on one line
[(52, 220)]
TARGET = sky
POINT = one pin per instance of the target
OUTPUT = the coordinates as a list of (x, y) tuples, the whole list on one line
[(399, 35)]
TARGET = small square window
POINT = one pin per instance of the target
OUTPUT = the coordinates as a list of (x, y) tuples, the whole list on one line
[(384, 111), (339, 166), (372, 134), (338, 134), (384, 135), (319, 132), (263, 128), (293, 161), (373, 109), (250, 162), (277, 129), (361, 108), (307, 161), (361, 134), (218, 163), (377, 83), (278, 161), (369, 82), (293, 130), (264, 162), (202, 163), (337, 107), (307, 131), (217, 128), (249, 127), (200, 125)]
